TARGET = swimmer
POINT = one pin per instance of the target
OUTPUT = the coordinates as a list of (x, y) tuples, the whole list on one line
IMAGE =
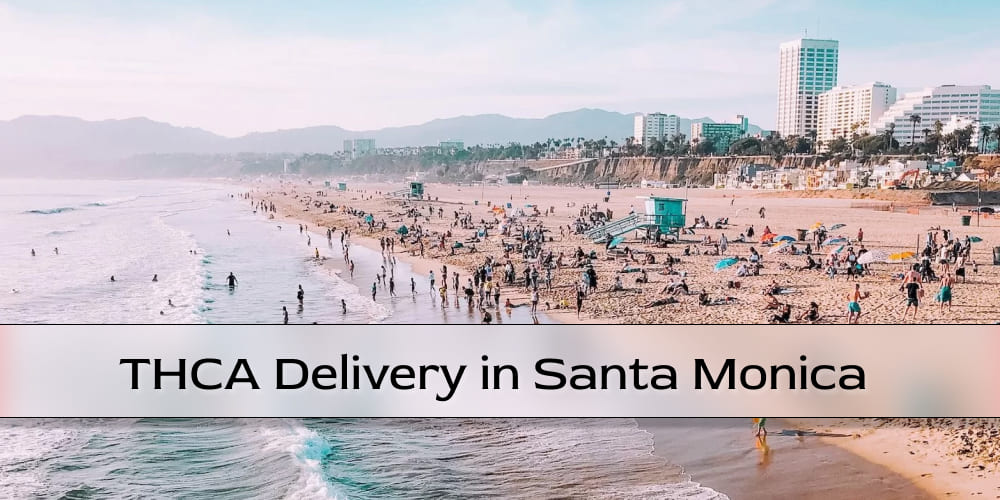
[(57, 250), (14, 290), (161, 313), (343, 305), (32, 252), (231, 279), (317, 253), (112, 278), (301, 294), (155, 278), (284, 314), (228, 233), (170, 303)]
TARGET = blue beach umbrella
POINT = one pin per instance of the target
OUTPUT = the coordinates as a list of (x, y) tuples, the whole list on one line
[(837, 226), (785, 238), (616, 241), (833, 241), (724, 263)]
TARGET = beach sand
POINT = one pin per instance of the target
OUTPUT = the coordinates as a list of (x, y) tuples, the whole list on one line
[(949, 457), (725, 454), (902, 229)]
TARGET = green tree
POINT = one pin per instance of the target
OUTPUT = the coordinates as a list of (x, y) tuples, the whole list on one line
[(914, 121), (984, 137)]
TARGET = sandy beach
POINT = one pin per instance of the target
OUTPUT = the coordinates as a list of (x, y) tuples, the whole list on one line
[(836, 458), (887, 226)]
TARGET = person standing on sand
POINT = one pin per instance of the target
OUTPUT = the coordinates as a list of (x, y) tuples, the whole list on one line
[(913, 292), (944, 294), (854, 305), (760, 425), (284, 314), (534, 300), (861, 235), (579, 300)]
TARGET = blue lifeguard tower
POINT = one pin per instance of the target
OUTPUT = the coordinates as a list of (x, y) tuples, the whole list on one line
[(416, 189), (664, 214), (341, 186)]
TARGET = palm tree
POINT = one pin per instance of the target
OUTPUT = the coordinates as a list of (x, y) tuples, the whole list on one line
[(996, 135), (812, 140), (890, 130), (984, 137), (914, 120)]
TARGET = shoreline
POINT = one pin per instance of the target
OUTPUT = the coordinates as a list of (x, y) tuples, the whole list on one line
[(724, 454), (420, 266), (924, 451)]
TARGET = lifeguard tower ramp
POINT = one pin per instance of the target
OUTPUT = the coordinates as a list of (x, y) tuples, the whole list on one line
[(665, 214)]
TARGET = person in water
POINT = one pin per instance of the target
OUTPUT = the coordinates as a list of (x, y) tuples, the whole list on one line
[(112, 278), (343, 306), (32, 252), (155, 278), (301, 294), (284, 314), (170, 303), (760, 424), (231, 279), (374, 289)]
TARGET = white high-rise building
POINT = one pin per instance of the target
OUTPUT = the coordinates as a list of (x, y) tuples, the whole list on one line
[(655, 126), (842, 109), (806, 69), (978, 104)]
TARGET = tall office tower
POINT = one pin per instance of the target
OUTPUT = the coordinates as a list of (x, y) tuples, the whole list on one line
[(806, 68)]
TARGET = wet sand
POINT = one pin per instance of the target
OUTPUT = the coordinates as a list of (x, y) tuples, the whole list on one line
[(725, 455)]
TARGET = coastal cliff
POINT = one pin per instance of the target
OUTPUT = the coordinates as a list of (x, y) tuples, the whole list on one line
[(694, 170)]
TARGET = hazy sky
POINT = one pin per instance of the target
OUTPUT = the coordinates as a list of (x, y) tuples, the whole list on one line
[(233, 67)]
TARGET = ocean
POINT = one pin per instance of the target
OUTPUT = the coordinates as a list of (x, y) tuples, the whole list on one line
[(315, 459), (191, 235)]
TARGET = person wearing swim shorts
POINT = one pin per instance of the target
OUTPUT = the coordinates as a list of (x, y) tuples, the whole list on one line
[(854, 305), (944, 294)]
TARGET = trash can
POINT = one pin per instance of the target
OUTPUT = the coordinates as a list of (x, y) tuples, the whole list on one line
[(966, 220), (996, 256), (476, 202), (802, 234)]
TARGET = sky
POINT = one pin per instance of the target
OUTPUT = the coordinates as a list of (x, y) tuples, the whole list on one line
[(234, 67)]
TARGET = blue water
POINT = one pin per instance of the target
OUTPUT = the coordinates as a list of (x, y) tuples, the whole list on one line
[(191, 235), (418, 458)]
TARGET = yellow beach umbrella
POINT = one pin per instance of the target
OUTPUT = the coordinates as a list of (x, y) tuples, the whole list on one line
[(900, 256)]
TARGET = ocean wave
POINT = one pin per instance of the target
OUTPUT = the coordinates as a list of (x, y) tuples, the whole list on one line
[(48, 211), (111, 202)]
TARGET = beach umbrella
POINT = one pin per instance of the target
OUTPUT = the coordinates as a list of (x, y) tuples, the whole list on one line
[(873, 256), (403, 230), (816, 225), (900, 256), (369, 218), (767, 237), (780, 246), (837, 226), (834, 241), (785, 238), (616, 241), (837, 250), (724, 263), (975, 239)]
